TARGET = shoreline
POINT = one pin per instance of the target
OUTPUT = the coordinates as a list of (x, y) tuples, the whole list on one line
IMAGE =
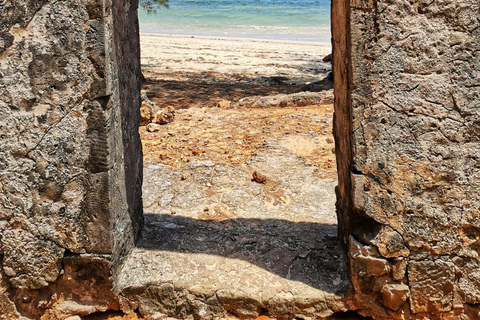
[(251, 57), (234, 38), (185, 71)]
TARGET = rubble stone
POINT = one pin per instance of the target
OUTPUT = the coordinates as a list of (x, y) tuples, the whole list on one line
[(165, 116), (432, 284), (147, 113), (394, 295)]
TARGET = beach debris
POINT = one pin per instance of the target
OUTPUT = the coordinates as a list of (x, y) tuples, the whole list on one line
[(327, 58), (153, 127), (147, 109), (196, 152), (300, 99), (223, 104), (147, 112), (151, 113), (258, 177), (165, 116)]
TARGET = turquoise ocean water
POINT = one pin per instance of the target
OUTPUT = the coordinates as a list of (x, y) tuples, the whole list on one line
[(301, 20)]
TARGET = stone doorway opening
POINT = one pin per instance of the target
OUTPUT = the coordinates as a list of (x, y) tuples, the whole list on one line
[(239, 181)]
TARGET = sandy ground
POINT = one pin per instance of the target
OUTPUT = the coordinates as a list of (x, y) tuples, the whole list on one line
[(201, 203), (199, 71), (162, 54), (195, 135), (194, 74)]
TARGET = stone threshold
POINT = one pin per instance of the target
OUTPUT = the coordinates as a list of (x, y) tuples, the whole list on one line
[(246, 267)]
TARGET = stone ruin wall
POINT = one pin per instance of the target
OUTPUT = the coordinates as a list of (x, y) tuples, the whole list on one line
[(408, 87), (69, 166)]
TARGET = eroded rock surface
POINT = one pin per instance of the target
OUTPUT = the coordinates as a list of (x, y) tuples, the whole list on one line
[(62, 175), (410, 173), (216, 242), (407, 113)]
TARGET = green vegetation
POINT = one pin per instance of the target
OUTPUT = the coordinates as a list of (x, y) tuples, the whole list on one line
[(151, 5)]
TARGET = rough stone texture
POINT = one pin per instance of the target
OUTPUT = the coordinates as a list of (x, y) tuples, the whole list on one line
[(7, 306), (394, 295), (147, 110), (285, 100), (127, 49), (84, 287), (408, 77), (63, 155), (216, 242), (165, 283), (407, 132), (47, 127)]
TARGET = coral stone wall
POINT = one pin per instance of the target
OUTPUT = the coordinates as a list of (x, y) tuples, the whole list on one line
[(65, 173), (411, 211), (407, 127)]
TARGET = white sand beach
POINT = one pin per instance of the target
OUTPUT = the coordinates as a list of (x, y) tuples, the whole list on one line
[(167, 55)]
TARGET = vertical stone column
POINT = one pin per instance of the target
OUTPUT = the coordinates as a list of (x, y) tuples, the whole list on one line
[(127, 51), (409, 203), (70, 165)]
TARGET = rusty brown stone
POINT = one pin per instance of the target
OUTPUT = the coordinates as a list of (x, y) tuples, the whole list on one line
[(146, 113), (394, 295), (431, 284), (258, 177), (165, 116)]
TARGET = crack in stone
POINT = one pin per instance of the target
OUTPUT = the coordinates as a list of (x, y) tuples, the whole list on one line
[(48, 130)]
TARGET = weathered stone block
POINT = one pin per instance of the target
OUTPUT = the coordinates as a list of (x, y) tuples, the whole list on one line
[(399, 269), (408, 159), (359, 188), (365, 266), (33, 264), (390, 243), (83, 287), (394, 295), (431, 283), (63, 185), (468, 285)]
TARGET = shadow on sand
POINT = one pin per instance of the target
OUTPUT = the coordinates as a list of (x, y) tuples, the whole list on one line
[(305, 252), (203, 90)]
